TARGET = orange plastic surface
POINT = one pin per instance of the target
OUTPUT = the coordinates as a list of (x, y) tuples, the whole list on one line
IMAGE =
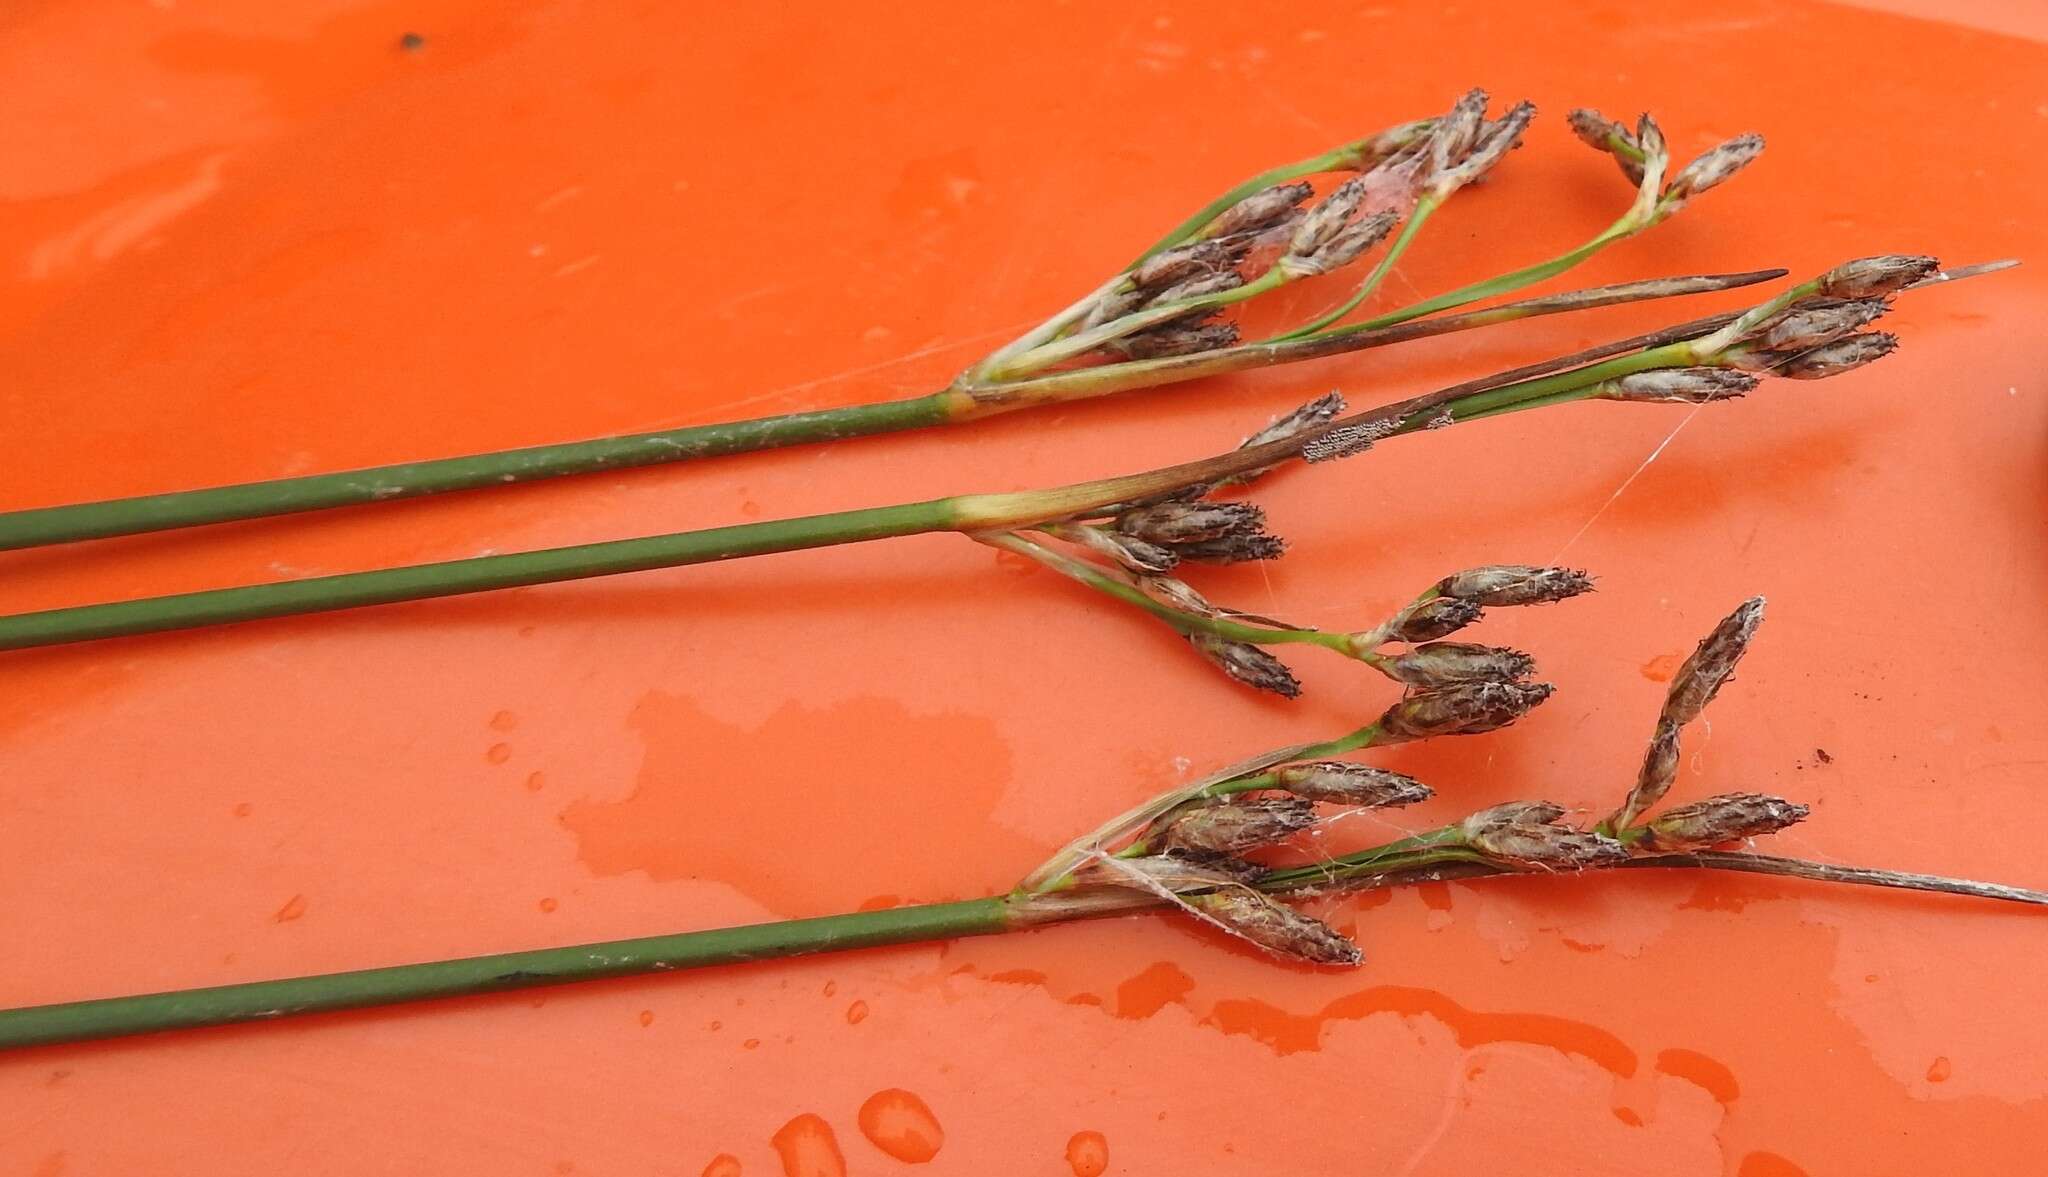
[(243, 240)]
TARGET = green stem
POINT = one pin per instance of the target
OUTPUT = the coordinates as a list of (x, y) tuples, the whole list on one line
[(377, 484), (321, 594), (224, 1004)]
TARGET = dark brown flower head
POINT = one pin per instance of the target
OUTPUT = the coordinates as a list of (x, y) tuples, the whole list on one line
[(1515, 584), (1653, 780), (1461, 710), (1495, 139), (1248, 664), (1171, 340), (1194, 260), (1875, 277), (1457, 132), (1712, 664), (1128, 551), (1174, 523), (1341, 782), (1604, 134), (1277, 928), (1260, 210), (1328, 217), (1197, 286), (1729, 818), (1685, 386), (1812, 323), (1443, 663), (1320, 411), (1843, 355), (1713, 168), (1344, 247), (1437, 617), (1523, 835), (1232, 549), (1233, 827)]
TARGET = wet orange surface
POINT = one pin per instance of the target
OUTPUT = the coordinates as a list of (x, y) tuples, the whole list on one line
[(243, 240)]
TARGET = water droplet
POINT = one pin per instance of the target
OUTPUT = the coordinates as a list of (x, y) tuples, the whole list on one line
[(856, 1013), (1437, 921), (646, 1018), (535, 782), (1087, 1154), (831, 987), (498, 753), (244, 809), (723, 1165), (293, 908), (808, 1148), (717, 1026), (899, 1123), (548, 905), (504, 721), (1939, 1070), (750, 1044)]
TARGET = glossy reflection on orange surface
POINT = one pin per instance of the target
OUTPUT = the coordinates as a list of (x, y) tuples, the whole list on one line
[(243, 240)]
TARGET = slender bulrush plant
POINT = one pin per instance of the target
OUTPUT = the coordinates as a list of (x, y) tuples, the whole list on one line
[(1142, 522), (1236, 850), (1158, 321)]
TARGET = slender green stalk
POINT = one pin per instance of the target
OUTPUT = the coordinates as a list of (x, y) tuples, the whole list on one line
[(1428, 856), (262, 1000), (454, 577), (378, 484)]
